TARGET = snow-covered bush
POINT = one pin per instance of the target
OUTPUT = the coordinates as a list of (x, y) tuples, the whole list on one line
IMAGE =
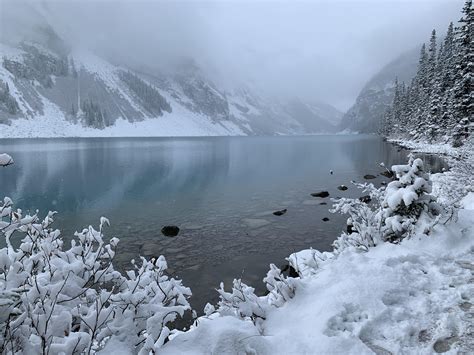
[(407, 203), (364, 221), (71, 300), (394, 213), (243, 303)]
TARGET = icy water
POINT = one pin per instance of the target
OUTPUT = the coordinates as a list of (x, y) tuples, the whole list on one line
[(221, 192)]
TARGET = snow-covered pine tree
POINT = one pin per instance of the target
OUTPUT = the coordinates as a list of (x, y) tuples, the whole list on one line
[(447, 70), (463, 86), (439, 104), (407, 200)]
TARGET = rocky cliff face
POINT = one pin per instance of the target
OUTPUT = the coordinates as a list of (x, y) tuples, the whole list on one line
[(377, 94), (44, 79)]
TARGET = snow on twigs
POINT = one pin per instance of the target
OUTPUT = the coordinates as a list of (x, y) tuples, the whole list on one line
[(58, 299)]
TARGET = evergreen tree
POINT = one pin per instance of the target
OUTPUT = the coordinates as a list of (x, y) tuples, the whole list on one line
[(462, 90), (438, 103)]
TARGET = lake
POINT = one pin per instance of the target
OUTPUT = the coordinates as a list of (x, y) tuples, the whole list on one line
[(220, 191)]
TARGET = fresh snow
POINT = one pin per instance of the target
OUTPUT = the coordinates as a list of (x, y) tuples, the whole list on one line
[(178, 123), (5, 159)]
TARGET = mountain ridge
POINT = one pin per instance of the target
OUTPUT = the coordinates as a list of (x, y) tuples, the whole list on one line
[(49, 84), (366, 113)]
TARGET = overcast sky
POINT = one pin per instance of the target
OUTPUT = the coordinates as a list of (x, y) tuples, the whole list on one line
[(317, 50)]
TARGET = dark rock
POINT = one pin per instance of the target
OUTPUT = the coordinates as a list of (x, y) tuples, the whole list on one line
[(383, 183), (342, 187), (325, 219), (280, 212), (350, 229), (289, 270), (320, 194), (365, 198), (369, 176), (387, 174), (170, 231), (323, 203)]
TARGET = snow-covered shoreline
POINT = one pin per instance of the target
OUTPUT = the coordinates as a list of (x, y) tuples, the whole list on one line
[(412, 297)]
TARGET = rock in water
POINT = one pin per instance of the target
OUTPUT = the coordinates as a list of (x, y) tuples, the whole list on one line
[(320, 194), (365, 198), (280, 212), (369, 176), (170, 231), (342, 187), (325, 219)]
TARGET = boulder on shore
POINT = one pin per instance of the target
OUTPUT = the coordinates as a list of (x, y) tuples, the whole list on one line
[(342, 187), (369, 176)]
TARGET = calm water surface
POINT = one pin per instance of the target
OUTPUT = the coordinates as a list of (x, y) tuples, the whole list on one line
[(221, 192)]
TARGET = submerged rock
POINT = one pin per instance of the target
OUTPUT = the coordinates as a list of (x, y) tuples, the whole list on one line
[(322, 194), (323, 203), (365, 198), (280, 212), (255, 222), (170, 231), (342, 187), (325, 219), (369, 176)]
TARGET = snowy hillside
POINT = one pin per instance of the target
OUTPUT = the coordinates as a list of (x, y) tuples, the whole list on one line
[(49, 90), (365, 115)]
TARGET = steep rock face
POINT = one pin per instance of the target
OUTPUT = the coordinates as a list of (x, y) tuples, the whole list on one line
[(377, 94), (45, 78)]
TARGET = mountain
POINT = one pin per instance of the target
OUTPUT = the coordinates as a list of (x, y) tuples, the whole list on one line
[(47, 89), (377, 94)]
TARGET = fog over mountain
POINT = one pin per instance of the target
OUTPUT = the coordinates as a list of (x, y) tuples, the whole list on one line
[(314, 50)]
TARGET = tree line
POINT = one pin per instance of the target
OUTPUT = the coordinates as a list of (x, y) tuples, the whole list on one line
[(437, 105), (149, 97), (7, 100)]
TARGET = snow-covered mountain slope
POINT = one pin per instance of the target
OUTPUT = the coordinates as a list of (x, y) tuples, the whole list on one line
[(48, 90), (377, 94)]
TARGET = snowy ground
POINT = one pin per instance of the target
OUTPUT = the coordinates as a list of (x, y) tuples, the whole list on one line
[(416, 297)]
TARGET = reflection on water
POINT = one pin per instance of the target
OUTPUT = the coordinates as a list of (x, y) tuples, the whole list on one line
[(221, 192)]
